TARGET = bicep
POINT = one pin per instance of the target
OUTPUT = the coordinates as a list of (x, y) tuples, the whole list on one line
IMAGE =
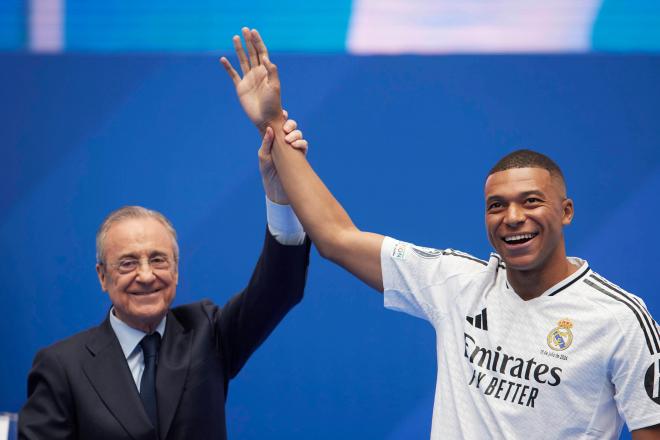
[(359, 253)]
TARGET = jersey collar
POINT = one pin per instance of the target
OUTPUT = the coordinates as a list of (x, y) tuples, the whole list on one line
[(583, 269)]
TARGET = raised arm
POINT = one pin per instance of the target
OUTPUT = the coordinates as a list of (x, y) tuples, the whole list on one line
[(323, 218)]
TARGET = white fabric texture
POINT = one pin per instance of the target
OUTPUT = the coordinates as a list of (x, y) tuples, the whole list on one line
[(283, 224)]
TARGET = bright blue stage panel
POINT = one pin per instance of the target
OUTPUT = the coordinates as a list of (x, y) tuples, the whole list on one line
[(403, 142)]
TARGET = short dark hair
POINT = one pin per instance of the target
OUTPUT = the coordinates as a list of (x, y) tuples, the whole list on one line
[(528, 159)]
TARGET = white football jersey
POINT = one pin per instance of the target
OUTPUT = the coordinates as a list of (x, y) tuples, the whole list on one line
[(574, 363)]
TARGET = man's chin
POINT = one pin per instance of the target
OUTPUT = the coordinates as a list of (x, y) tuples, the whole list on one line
[(144, 316), (520, 263), (147, 322)]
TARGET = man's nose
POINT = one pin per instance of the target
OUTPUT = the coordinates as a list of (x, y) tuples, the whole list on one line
[(514, 215), (145, 273)]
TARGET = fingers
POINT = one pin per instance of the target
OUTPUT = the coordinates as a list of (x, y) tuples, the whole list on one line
[(289, 126), (252, 52), (257, 54), (286, 114), (235, 77), (272, 70), (259, 45), (293, 136), (242, 59), (300, 145)]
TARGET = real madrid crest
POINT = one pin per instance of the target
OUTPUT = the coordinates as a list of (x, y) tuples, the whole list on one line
[(561, 337)]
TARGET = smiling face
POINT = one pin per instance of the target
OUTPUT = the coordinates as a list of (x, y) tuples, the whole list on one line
[(139, 271), (526, 209)]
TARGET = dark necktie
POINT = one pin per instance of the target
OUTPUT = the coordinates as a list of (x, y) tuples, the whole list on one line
[(150, 345)]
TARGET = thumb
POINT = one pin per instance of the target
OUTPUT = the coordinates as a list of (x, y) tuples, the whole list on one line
[(266, 144)]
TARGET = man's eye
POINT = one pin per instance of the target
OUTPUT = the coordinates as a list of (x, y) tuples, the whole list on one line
[(159, 262), (494, 205), (533, 200), (127, 265)]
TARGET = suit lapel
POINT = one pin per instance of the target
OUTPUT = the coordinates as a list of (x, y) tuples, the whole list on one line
[(110, 376), (173, 362)]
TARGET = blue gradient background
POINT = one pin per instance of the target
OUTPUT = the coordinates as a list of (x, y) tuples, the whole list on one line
[(403, 142)]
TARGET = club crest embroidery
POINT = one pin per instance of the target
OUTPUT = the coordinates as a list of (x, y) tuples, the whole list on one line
[(561, 337)]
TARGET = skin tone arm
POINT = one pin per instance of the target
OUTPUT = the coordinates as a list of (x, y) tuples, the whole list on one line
[(324, 219), (269, 177), (652, 433)]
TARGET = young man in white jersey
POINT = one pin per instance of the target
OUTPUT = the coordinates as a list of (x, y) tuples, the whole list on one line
[(531, 343)]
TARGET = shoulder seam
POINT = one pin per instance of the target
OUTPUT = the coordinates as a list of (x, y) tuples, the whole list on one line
[(619, 296), (455, 253), (635, 302)]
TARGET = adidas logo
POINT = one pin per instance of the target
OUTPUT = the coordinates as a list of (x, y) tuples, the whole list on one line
[(478, 321)]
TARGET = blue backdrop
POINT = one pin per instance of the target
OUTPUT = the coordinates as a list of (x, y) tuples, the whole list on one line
[(403, 142)]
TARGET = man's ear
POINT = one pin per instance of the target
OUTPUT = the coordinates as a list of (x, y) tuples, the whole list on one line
[(100, 272), (568, 211)]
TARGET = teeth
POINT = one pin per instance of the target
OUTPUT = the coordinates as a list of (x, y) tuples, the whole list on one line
[(519, 237)]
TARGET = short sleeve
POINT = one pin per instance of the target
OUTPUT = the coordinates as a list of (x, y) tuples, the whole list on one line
[(636, 368), (415, 277)]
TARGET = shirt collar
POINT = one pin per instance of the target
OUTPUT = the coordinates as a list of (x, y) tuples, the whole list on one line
[(582, 270), (129, 337)]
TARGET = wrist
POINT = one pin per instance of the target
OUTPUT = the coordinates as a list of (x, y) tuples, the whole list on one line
[(277, 196), (274, 122), (261, 126)]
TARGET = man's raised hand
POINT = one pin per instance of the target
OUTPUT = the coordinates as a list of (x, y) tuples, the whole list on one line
[(259, 89)]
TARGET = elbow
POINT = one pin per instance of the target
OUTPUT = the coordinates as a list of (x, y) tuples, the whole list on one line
[(325, 250), (332, 245)]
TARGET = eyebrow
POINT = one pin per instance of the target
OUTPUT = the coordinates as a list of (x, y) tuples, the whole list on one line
[(128, 255), (522, 195), (133, 255)]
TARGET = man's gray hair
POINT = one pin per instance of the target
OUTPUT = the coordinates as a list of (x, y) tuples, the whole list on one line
[(131, 212)]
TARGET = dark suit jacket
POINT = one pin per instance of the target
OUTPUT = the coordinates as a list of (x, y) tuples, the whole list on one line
[(82, 388)]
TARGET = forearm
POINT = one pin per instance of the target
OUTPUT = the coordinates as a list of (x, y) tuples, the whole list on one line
[(276, 285), (324, 219)]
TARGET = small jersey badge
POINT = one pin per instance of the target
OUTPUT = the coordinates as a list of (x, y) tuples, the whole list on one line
[(561, 337), (399, 251), (652, 381)]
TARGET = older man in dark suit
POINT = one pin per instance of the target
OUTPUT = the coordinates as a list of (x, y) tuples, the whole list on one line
[(154, 372)]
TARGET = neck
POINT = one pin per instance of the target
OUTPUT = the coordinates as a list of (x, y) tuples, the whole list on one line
[(530, 284), (147, 327)]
